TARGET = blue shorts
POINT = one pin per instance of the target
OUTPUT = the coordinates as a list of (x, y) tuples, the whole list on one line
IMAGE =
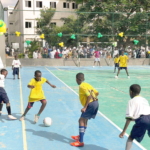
[(142, 125), (16, 71), (116, 65), (91, 110), (123, 68), (3, 96)]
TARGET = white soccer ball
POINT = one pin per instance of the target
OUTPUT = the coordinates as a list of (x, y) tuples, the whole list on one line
[(47, 122)]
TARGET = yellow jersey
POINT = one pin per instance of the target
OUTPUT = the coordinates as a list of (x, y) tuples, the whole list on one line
[(37, 93), (116, 60), (123, 60), (84, 92)]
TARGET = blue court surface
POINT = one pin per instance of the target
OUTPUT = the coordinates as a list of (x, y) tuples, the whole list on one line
[(63, 107)]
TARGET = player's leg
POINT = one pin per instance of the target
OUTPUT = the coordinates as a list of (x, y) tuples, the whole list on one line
[(118, 73), (1, 107), (127, 73), (37, 116), (115, 70), (14, 73), (94, 63), (29, 106), (18, 72), (129, 143), (8, 107)]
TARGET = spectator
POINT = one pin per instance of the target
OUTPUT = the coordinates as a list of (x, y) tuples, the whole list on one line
[(49, 50), (35, 55), (84, 51), (12, 51), (39, 55), (26, 55), (57, 54), (143, 54), (7, 50), (91, 51), (52, 54), (121, 49)]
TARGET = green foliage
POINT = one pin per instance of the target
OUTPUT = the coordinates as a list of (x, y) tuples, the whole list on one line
[(21, 55), (35, 45)]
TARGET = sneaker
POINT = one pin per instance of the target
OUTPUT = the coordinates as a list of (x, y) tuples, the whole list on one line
[(93, 66), (10, 117), (75, 137), (128, 77), (36, 118), (77, 144), (116, 77), (0, 113), (22, 118)]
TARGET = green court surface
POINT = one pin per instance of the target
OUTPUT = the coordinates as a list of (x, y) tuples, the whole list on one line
[(114, 93)]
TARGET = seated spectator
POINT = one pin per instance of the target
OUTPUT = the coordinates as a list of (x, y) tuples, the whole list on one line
[(70, 53), (52, 54), (39, 55)]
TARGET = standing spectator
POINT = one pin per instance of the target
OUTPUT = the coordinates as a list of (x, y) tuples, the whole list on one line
[(52, 54), (85, 52), (91, 51), (7, 50), (35, 55), (12, 51), (70, 54), (97, 59), (49, 50), (134, 54), (143, 54), (26, 55), (57, 54), (120, 50), (39, 55)]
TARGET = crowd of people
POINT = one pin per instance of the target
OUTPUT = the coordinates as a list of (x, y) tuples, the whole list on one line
[(84, 52)]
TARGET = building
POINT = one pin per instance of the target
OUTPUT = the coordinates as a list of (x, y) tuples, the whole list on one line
[(23, 16)]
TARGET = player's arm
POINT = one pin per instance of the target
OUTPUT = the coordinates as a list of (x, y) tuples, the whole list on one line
[(87, 103), (125, 128), (53, 86), (31, 86)]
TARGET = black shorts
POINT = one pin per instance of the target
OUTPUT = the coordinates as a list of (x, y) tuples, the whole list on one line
[(116, 65), (123, 68), (91, 110), (3, 96), (142, 125), (16, 71)]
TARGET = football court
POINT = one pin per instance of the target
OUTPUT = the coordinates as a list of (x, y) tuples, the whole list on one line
[(65, 109)]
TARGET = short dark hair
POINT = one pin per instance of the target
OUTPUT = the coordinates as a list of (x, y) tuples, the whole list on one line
[(3, 70), (135, 88), (36, 72), (80, 76)]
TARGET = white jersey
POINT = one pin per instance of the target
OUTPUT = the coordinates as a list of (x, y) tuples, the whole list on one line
[(16, 63), (2, 79), (136, 107)]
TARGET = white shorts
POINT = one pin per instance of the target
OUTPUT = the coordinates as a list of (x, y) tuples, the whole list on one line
[(97, 59)]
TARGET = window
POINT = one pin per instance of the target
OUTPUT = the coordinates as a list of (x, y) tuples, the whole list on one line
[(39, 4), (27, 24), (28, 3), (38, 24), (11, 23), (74, 6), (52, 4), (65, 5), (53, 23), (10, 12)]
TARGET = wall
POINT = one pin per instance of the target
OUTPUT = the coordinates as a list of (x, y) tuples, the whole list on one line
[(2, 50), (83, 62)]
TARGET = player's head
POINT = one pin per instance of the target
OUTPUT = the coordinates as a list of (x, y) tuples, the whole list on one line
[(135, 90), (38, 75), (117, 55), (4, 72), (79, 78), (16, 57), (122, 52)]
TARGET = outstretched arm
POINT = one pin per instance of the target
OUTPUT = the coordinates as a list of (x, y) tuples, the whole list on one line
[(53, 86), (125, 128)]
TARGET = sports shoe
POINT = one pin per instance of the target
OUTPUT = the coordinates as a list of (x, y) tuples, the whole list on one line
[(128, 77), (116, 77), (36, 118), (10, 117), (77, 144), (75, 137), (22, 118), (0, 113), (93, 66)]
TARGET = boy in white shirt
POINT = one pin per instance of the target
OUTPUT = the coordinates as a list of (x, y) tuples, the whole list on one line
[(138, 110), (3, 95), (15, 66)]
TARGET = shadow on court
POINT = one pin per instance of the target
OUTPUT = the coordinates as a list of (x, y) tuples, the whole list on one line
[(57, 137)]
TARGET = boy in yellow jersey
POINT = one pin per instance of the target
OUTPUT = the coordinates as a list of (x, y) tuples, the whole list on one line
[(36, 94), (88, 98), (116, 62), (123, 64)]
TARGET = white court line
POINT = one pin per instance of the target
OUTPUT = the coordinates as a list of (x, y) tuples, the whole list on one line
[(99, 112)]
